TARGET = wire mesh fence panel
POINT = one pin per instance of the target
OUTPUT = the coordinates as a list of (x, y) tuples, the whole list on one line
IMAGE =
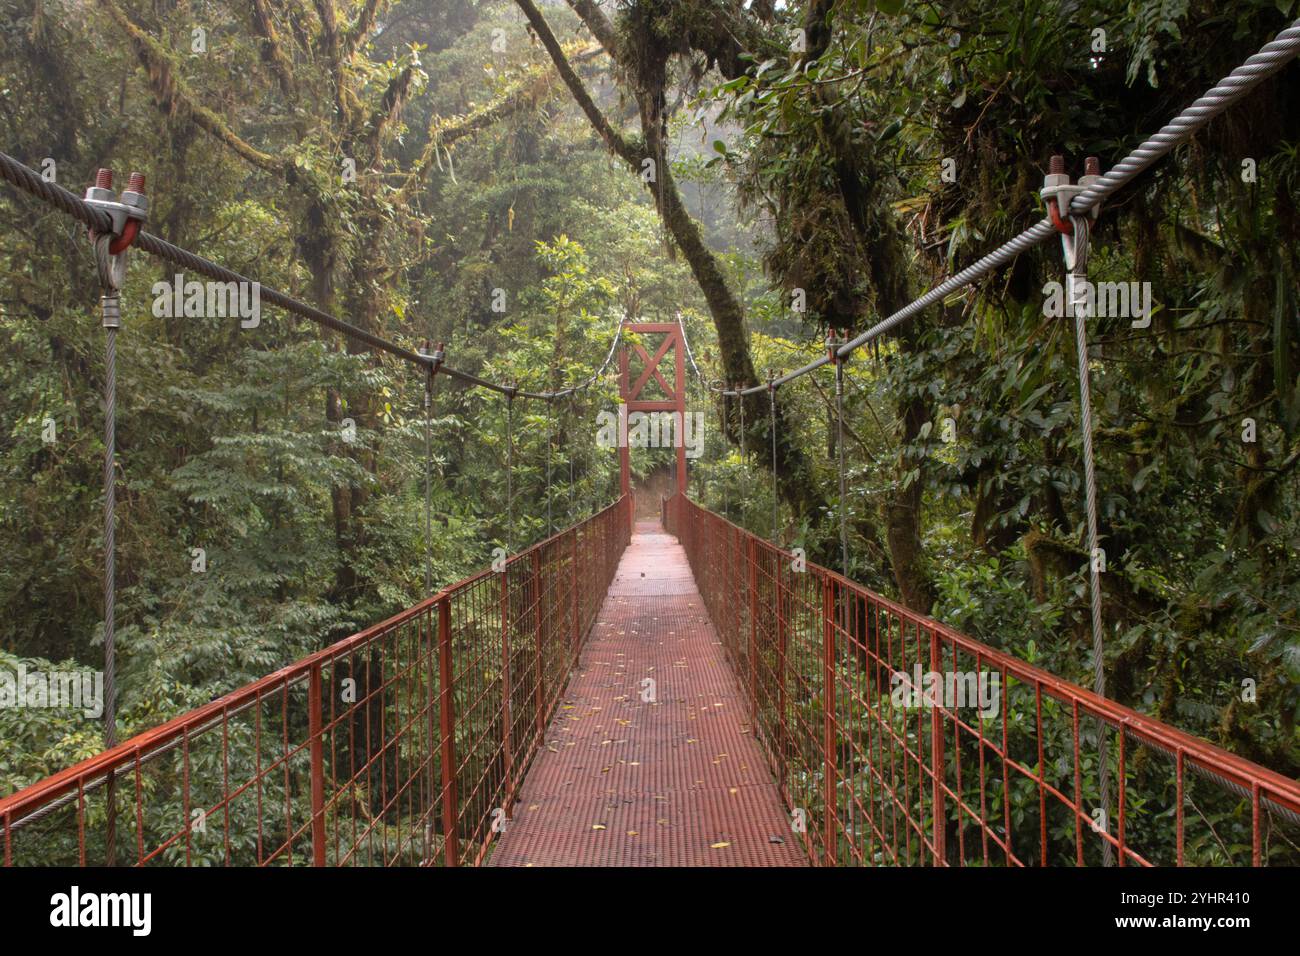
[(898, 741), (401, 745)]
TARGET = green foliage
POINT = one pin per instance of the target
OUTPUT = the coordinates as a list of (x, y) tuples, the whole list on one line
[(823, 175)]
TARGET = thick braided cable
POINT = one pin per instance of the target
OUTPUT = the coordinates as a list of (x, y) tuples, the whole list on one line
[(1270, 59), (1227, 92), (28, 180)]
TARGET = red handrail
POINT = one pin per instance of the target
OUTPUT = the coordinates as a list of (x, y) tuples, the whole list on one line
[(403, 743), (884, 780)]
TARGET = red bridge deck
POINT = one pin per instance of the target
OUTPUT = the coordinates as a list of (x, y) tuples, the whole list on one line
[(678, 780)]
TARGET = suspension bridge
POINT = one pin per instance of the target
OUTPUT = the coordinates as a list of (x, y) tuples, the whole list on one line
[(671, 692)]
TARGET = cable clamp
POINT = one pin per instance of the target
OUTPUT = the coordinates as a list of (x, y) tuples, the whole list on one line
[(436, 357), (833, 344), (126, 212), (1058, 192)]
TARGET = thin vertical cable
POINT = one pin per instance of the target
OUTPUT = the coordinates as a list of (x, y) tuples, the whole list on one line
[(569, 453), (510, 472), (110, 563), (776, 507), (839, 459), (428, 482), (726, 485), (743, 457), (1076, 280), (548, 469), (112, 272)]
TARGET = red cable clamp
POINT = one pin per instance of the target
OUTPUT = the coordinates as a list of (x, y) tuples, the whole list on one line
[(832, 344), (436, 357), (126, 212), (1058, 193)]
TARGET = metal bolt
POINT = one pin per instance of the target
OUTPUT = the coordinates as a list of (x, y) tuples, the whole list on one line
[(104, 179), (1092, 166), (1057, 165), (134, 197)]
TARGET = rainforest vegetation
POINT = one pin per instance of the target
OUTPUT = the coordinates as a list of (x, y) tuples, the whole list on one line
[(515, 177)]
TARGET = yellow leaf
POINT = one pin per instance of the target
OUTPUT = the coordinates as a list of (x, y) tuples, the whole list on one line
[(719, 846)]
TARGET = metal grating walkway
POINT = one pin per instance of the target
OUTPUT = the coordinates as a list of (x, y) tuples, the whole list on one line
[(679, 781)]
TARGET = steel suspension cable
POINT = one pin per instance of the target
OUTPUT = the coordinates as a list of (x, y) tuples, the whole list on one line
[(1231, 89), (1268, 61), (690, 356), (30, 181), (589, 380)]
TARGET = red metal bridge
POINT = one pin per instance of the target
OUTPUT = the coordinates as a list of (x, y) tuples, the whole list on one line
[(688, 695), (680, 692)]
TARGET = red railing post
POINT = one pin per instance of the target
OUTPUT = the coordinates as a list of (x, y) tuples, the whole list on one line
[(731, 555), (507, 688), (831, 825), (447, 720), (431, 667), (315, 712), (891, 790), (778, 571), (537, 626), (936, 753), (753, 630), (573, 589)]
